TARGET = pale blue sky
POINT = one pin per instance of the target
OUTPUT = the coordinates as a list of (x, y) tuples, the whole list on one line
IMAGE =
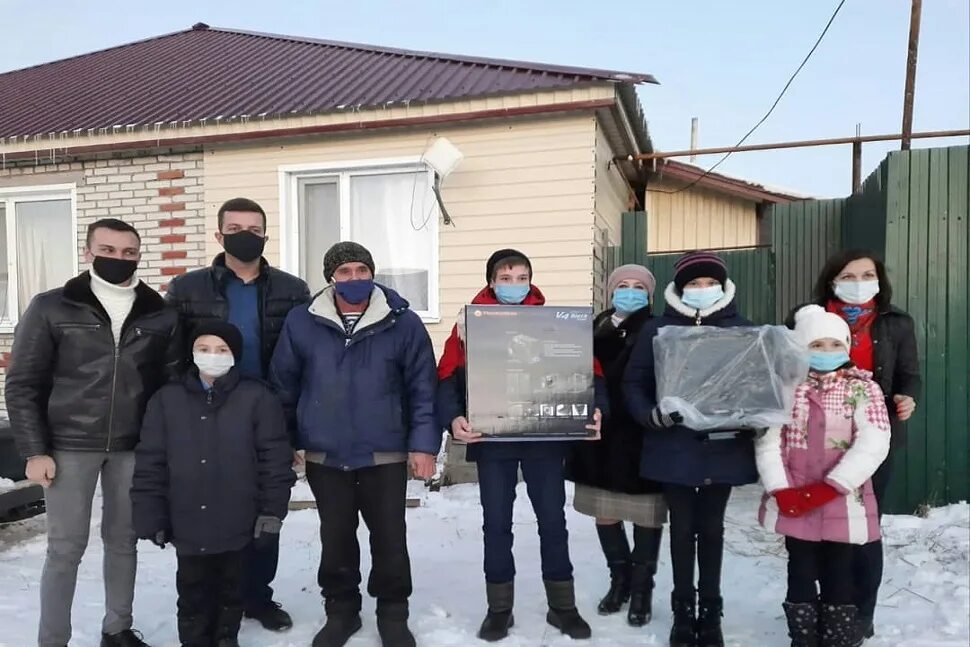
[(722, 61)]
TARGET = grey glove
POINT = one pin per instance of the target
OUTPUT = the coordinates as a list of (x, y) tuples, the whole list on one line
[(660, 420), (267, 525)]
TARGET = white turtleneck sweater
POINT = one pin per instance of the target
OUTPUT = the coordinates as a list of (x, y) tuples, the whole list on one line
[(117, 300)]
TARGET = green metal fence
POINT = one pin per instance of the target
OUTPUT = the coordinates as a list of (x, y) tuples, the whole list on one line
[(803, 235), (925, 241), (913, 211)]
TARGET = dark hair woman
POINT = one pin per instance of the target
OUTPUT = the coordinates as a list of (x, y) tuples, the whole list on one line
[(697, 468), (607, 474), (854, 285)]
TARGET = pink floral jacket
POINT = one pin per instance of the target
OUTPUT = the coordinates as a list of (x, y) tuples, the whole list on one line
[(839, 435)]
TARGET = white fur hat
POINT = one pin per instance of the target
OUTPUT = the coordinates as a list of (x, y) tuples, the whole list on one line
[(812, 323)]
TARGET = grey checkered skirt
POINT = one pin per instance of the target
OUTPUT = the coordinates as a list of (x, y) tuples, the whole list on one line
[(647, 510)]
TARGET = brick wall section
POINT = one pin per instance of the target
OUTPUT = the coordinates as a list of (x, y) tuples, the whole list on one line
[(160, 195)]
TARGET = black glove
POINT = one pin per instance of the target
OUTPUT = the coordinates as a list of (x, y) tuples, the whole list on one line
[(660, 420), (267, 530), (160, 539)]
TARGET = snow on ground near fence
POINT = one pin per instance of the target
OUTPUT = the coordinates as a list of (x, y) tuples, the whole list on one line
[(925, 600)]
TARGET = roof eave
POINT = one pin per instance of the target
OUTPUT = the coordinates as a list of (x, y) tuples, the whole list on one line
[(723, 184)]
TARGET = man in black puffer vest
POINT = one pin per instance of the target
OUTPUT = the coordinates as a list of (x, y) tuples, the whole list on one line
[(242, 288)]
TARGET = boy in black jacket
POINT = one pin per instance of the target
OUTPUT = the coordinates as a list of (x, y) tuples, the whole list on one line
[(212, 475)]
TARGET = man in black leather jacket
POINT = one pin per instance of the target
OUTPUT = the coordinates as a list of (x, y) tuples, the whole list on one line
[(86, 358), (242, 288)]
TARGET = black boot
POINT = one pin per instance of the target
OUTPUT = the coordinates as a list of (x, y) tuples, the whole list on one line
[(126, 638), (802, 623), (641, 600), (563, 614), (682, 631), (616, 548), (343, 621), (839, 626), (646, 552), (272, 616), (499, 618), (392, 624), (227, 626), (194, 629), (709, 612)]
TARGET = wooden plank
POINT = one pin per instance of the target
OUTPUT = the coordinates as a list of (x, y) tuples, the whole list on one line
[(958, 332)]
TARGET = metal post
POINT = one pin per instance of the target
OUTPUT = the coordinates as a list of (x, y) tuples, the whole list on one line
[(910, 91), (693, 137), (857, 160)]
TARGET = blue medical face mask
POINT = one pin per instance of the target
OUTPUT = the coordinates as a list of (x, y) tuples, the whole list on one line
[(627, 300), (825, 362), (356, 291), (702, 298), (512, 294)]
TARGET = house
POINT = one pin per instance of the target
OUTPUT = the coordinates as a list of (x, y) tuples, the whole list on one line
[(328, 137), (689, 207)]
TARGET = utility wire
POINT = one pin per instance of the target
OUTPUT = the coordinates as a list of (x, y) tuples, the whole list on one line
[(770, 110)]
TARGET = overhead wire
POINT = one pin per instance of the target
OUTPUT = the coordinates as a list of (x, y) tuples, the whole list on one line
[(774, 105)]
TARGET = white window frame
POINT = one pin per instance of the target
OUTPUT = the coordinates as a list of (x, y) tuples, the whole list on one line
[(10, 196), (290, 230)]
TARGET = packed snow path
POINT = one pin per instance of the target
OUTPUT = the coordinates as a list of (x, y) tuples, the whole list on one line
[(925, 599)]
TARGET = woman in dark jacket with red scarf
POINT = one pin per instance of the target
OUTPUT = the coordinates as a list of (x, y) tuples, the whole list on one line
[(854, 285)]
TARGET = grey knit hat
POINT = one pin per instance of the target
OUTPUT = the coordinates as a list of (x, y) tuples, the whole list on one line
[(346, 252)]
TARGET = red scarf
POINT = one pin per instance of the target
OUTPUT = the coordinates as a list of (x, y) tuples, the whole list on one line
[(453, 356), (859, 318)]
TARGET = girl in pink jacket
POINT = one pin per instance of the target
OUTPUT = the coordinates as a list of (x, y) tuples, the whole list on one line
[(816, 472)]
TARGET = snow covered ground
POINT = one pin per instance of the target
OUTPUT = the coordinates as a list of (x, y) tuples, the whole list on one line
[(925, 600)]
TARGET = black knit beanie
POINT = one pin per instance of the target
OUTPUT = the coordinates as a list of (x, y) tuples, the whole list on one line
[(346, 252), (695, 265), (496, 260), (225, 331)]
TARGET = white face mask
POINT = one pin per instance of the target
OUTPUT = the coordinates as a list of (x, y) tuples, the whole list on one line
[(213, 365), (856, 292)]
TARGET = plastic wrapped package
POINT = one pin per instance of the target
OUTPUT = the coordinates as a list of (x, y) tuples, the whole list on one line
[(728, 378)]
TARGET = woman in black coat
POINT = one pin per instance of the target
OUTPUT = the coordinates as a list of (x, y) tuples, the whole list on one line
[(212, 476), (854, 285), (607, 474)]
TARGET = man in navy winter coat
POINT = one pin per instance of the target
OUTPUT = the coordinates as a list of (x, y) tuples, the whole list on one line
[(355, 370)]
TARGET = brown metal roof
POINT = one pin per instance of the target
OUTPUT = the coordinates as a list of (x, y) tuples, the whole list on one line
[(208, 73)]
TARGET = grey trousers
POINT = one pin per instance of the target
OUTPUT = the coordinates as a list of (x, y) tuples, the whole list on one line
[(69, 500)]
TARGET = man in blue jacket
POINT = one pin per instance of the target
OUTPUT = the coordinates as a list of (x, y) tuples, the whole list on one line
[(355, 370)]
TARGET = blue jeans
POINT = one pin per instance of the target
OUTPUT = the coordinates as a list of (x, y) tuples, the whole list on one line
[(545, 485)]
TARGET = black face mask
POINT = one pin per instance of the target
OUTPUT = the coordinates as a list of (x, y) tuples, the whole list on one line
[(114, 270), (244, 245)]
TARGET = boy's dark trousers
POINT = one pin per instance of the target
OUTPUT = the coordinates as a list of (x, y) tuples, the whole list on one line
[(545, 484), (210, 597), (826, 562), (378, 494), (261, 563)]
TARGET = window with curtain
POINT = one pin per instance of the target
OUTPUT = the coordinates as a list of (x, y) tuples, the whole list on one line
[(38, 247), (391, 211)]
